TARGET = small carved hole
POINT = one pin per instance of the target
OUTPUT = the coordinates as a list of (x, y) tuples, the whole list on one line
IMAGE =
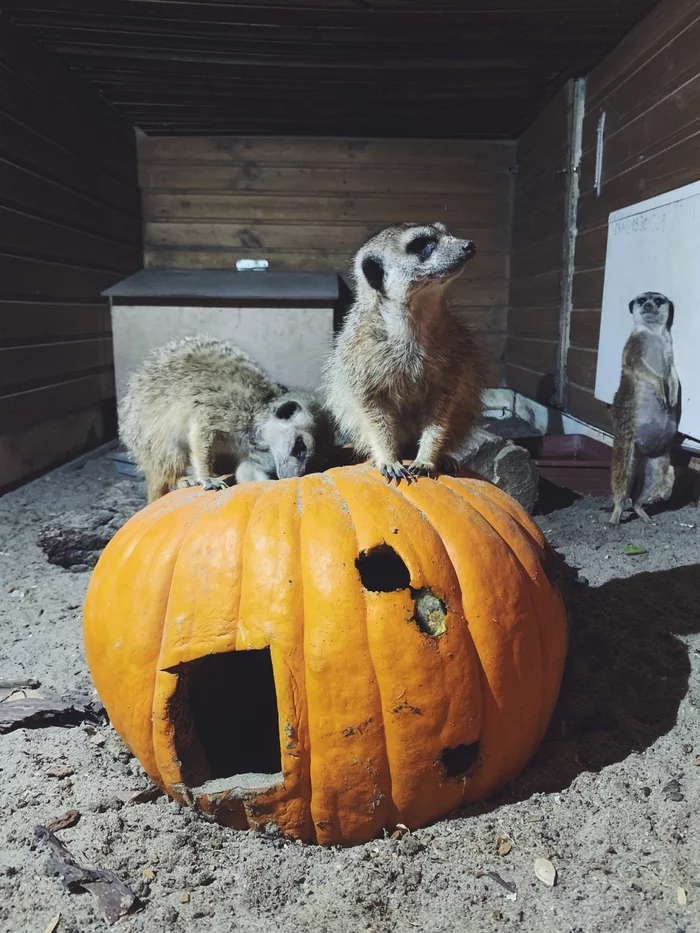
[(430, 612), (382, 570), (459, 760)]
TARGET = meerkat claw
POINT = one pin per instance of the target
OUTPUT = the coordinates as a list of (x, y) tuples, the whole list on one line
[(214, 482), (187, 482), (395, 472), (417, 469)]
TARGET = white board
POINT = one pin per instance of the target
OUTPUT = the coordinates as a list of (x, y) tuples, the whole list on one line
[(655, 246)]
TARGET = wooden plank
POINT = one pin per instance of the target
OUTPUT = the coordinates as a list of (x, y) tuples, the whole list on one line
[(111, 135), (534, 385), (588, 288), (541, 322), (581, 367), (339, 207), (49, 362), (41, 447), (36, 279), (668, 70), (30, 148), (21, 233), (33, 321), (537, 355), (482, 319), (537, 290), (545, 219), (651, 133), (664, 22), (582, 404), (20, 410), (466, 156), (585, 328), (27, 191), (547, 134), (538, 257), (196, 180), (591, 246)]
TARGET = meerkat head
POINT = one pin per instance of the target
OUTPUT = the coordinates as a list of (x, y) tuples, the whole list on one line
[(407, 258), (297, 432), (652, 309)]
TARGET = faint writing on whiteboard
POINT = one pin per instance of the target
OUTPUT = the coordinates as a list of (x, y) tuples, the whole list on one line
[(655, 221)]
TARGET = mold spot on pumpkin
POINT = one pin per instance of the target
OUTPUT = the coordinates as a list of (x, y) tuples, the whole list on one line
[(224, 713), (459, 761), (382, 570), (430, 612)]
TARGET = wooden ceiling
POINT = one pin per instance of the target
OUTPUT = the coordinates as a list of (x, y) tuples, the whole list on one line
[(401, 68)]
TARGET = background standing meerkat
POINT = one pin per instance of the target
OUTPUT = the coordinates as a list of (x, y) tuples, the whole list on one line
[(404, 370), (645, 408), (203, 405)]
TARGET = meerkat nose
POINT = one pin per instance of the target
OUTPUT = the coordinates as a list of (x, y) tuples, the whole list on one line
[(469, 247)]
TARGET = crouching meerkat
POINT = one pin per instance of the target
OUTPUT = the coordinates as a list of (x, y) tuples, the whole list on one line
[(645, 409), (203, 405), (405, 372)]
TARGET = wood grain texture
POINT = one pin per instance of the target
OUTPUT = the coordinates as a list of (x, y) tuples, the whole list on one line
[(649, 89), (70, 226), (309, 204), (539, 218), (463, 69)]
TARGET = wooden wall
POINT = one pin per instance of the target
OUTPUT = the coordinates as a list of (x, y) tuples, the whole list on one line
[(310, 203), (69, 227), (649, 88), (539, 218)]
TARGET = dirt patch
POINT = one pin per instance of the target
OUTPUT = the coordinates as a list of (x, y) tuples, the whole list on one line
[(612, 799)]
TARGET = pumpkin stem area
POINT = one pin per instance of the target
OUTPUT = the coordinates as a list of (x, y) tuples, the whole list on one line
[(224, 711)]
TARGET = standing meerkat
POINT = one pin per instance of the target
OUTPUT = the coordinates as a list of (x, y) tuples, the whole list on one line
[(644, 410), (200, 403), (404, 371)]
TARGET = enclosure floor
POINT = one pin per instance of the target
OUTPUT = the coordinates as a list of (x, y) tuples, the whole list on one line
[(593, 801)]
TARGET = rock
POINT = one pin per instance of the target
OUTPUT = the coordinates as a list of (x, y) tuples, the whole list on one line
[(507, 466), (75, 540)]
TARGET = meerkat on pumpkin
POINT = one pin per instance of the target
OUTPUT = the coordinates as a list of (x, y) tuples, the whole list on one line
[(645, 409), (406, 376)]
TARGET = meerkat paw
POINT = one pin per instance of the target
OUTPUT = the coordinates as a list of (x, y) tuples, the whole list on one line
[(394, 472), (214, 482), (187, 482), (420, 468), (643, 515)]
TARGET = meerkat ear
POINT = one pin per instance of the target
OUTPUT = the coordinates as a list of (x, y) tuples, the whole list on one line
[(632, 305), (373, 271)]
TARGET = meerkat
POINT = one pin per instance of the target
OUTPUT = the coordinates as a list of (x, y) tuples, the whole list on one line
[(201, 403), (645, 409), (405, 373), (290, 432)]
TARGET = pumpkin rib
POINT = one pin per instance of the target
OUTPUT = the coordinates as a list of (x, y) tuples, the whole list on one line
[(449, 701), (383, 776), (492, 705), (475, 498)]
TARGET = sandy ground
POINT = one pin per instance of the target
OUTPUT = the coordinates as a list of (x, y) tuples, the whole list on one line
[(612, 799)]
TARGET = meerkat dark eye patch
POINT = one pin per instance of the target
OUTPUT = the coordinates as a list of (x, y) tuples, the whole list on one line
[(423, 246), (285, 412), (373, 271), (658, 301)]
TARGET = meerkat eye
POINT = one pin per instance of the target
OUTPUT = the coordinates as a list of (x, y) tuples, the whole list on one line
[(423, 246), (658, 301)]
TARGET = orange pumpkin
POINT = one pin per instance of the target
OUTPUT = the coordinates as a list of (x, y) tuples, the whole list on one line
[(329, 654)]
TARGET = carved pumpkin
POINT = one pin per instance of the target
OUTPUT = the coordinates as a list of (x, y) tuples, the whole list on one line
[(330, 654)]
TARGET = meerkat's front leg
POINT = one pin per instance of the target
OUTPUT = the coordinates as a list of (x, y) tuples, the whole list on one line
[(381, 436), (646, 372), (430, 457), (673, 387), (202, 461)]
